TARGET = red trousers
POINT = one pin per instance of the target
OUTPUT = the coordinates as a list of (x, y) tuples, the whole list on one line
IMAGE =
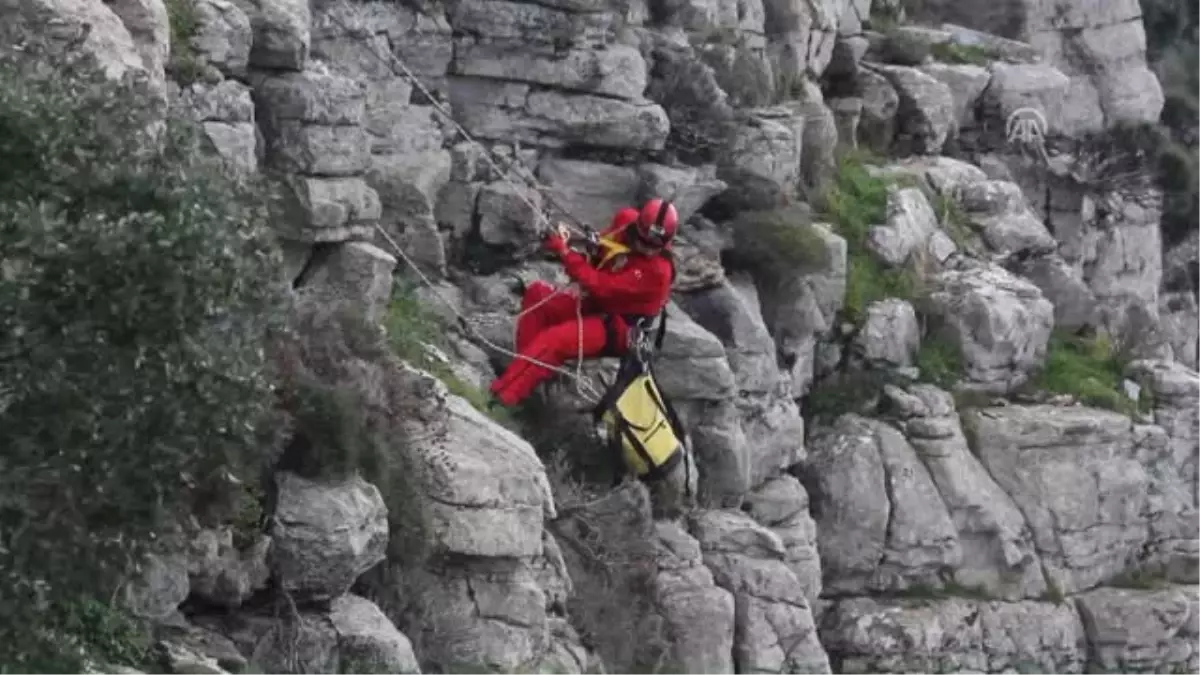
[(550, 334)]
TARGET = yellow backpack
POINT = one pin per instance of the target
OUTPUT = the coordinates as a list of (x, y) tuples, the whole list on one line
[(641, 427)]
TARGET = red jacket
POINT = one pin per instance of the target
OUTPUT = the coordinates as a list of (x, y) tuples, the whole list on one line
[(641, 286)]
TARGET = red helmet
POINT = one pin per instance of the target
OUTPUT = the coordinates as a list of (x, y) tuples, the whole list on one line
[(657, 223)]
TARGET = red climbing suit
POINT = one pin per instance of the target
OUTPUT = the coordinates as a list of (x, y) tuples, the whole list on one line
[(550, 333)]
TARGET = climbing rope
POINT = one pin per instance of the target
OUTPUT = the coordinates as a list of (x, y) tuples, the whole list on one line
[(582, 386)]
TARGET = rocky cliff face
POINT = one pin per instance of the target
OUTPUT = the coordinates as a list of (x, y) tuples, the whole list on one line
[(931, 525)]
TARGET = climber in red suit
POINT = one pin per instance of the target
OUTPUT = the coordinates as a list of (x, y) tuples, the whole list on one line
[(628, 288)]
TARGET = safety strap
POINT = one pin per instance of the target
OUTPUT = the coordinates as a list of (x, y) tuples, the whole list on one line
[(661, 334)]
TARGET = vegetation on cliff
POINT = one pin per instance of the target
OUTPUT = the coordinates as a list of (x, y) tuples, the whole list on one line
[(136, 289)]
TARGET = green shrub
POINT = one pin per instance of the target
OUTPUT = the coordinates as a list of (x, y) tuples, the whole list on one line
[(952, 52), (854, 202), (952, 218), (777, 245), (853, 391), (344, 424), (185, 62), (1086, 369), (412, 329), (940, 361), (137, 289)]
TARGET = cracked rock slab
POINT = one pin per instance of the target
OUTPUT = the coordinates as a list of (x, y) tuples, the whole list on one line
[(1074, 474), (325, 534), (774, 630), (865, 635), (881, 523)]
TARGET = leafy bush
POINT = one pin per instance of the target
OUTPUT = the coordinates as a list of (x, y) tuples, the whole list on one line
[(136, 291), (345, 422), (940, 361), (852, 391), (777, 245), (855, 201), (1086, 368), (184, 21), (952, 52)]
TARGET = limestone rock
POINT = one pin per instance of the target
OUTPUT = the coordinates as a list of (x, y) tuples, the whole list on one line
[(507, 214), (160, 587), (1142, 631), (731, 317), (488, 492), (773, 629), (1018, 85), (367, 638), (1179, 321), (943, 175), (326, 534), (223, 36), (1171, 462), (221, 574), (999, 211), (698, 613), (998, 554), (966, 83), (617, 70), (911, 222), (148, 25), (890, 334), (330, 209), (282, 33), (1073, 473), (880, 519), (865, 635), (514, 112), (880, 106), (761, 163), (181, 659), (61, 21), (1001, 322), (1113, 81), (590, 191), (802, 308), (781, 505), (226, 113), (926, 115), (1063, 285), (354, 273), (689, 188)]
